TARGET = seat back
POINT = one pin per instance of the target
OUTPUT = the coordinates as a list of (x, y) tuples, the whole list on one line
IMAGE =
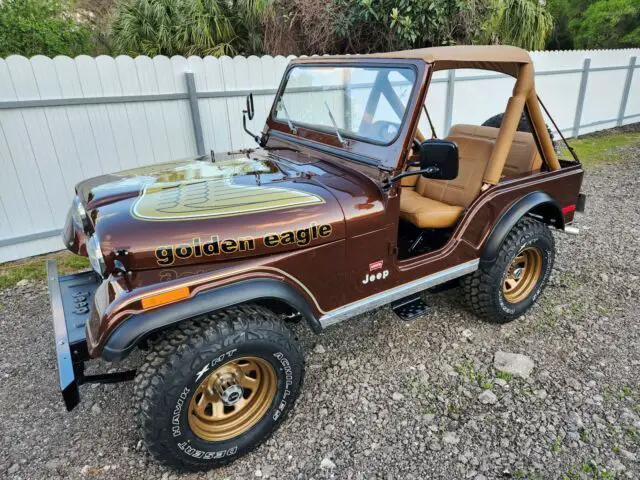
[(474, 156), (522, 159)]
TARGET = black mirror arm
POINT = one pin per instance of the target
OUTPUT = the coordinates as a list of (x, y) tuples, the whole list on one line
[(244, 125), (426, 171)]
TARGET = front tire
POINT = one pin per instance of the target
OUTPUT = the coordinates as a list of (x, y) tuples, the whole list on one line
[(505, 289), (216, 387)]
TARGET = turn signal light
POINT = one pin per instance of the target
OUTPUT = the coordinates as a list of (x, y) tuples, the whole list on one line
[(165, 297)]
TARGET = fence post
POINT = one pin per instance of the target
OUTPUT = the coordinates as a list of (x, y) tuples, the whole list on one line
[(581, 95), (448, 112), (195, 112), (625, 91), (346, 98)]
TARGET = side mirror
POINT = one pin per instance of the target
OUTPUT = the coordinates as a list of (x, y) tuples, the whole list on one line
[(250, 110), (248, 113), (439, 159)]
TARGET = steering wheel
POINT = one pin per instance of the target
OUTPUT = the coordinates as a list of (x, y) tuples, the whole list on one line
[(381, 130)]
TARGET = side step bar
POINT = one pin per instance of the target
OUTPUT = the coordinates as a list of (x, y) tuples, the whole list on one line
[(410, 307)]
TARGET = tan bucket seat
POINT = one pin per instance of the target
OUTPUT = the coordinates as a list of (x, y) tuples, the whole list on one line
[(439, 203), (523, 157)]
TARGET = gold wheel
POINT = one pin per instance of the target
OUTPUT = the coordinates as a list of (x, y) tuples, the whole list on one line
[(232, 399), (522, 275)]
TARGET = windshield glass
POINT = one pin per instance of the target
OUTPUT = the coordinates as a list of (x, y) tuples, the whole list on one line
[(363, 103)]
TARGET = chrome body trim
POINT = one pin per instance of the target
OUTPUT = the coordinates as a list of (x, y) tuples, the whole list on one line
[(396, 293)]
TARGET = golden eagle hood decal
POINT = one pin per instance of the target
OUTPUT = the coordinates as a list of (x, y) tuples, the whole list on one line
[(214, 198)]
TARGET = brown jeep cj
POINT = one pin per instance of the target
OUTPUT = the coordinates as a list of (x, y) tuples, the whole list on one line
[(344, 207)]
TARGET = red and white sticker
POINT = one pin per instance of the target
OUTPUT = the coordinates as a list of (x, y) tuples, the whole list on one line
[(375, 265)]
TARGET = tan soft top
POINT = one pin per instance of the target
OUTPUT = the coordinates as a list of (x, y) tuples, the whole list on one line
[(500, 58), (513, 61)]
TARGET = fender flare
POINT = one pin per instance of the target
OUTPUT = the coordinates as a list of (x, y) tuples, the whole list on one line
[(137, 327), (539, 204)]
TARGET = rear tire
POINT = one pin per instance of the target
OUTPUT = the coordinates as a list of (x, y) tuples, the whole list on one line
[(214, 388), (496, 122), (523, 126), (505, 289)]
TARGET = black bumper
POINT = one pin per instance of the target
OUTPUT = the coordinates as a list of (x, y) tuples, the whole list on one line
[(71, 297)]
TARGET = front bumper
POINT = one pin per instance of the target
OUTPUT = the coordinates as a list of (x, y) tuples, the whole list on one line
[(71, 297)]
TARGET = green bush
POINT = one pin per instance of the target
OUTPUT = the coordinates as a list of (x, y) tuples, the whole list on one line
[(524, 23), (246, 27), (363, 26), (608, 24), (594, 24), (46, 27), (188, 27)]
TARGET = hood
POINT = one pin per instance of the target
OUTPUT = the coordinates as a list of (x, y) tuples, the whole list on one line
[(196, 211)]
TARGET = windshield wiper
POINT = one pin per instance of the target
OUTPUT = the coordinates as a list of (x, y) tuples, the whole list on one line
[(293, 128), (335, 125)]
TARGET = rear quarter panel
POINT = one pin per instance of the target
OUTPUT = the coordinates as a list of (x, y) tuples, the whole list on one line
[(562, 185)]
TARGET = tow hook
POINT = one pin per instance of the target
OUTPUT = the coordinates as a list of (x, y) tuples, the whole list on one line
[(571, 230)]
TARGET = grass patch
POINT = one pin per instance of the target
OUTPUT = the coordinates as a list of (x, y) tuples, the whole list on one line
[(588, 470), (632, 434), (585, 436), (504, 375), (594, 150), (625, 392), (34, 268), (469, 374)]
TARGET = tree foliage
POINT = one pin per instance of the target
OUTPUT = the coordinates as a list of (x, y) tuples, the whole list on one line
[(608, 24), (360, 26), (189, 27), (245, 27), (96, 14), (595, 24), (525, 23), (45, 27)]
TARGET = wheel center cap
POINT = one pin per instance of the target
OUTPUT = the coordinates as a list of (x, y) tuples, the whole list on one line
[(231, 395), (517, 273)]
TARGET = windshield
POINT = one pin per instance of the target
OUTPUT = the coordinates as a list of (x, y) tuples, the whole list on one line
[(363, 103)]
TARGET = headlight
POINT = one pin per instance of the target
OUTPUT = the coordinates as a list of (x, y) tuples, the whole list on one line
[(79, 215), (95, 256)]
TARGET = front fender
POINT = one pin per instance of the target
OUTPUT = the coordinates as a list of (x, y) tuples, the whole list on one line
[(137, 327), (539, 204)]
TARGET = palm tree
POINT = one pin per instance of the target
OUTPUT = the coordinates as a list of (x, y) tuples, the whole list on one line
[(524, 23), (188, 27)]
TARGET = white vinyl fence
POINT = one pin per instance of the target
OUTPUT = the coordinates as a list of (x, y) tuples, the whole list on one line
[(63, 119)]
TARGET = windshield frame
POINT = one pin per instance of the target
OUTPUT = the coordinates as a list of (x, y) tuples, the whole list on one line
[(345, 133), (386, 157)]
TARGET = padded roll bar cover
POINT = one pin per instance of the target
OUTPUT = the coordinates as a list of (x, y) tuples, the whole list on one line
[(137, 327), (537, 120), (530, 202), (502, 147), (523, 93)]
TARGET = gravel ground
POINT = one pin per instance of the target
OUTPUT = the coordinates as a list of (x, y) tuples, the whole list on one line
[(387, 399)]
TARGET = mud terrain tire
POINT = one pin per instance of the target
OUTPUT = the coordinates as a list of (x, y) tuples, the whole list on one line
[(486, 290), (523, 126), (496, 122), (178, 372)]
